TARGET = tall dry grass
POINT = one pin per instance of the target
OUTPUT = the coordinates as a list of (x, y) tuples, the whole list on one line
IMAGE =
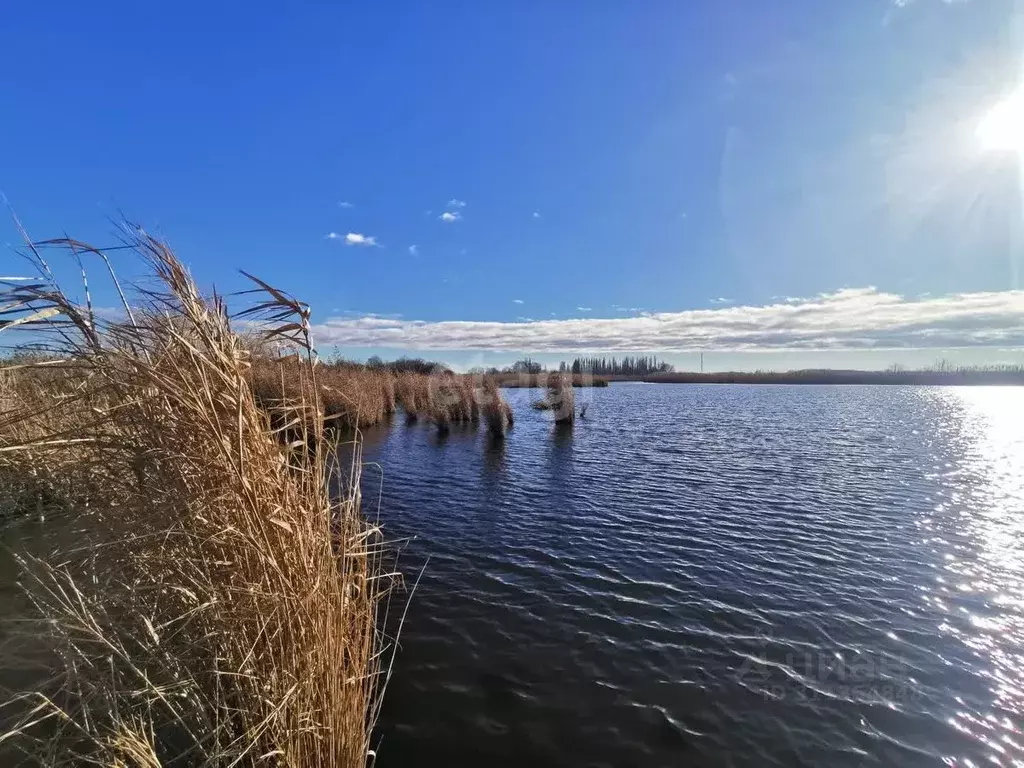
[(355, 396), (205, 600), (412, 393), (496, 411), (445, 399), (560, 400), (350, 396)]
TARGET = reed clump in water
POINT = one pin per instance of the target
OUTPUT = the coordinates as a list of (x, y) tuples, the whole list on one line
[(453, 400), (563, 398), (560, 399), (445, 399), (205, 598), (412, 393), (496, 411), (357, 397), (351, 396)]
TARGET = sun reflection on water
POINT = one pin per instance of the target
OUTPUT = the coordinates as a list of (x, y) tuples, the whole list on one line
[(980, 585)]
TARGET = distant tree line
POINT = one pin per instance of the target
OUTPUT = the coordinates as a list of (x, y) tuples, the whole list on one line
[(401, 365), (644, 365), (947, 366), (525, 366)]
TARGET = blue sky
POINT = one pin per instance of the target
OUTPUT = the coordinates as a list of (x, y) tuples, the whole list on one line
[(513, 165)]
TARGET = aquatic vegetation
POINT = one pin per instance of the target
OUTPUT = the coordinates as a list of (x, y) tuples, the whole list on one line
[(560, 399), (357, 395), (208, 601), (453, 400), (563, 400), (496, 411), (412, 393), (445, 398), (350, 396)]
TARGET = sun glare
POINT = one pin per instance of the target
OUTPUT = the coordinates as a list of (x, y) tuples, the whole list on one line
[(1002, 128)]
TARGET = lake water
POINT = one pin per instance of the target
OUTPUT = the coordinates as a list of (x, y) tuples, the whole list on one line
[(713, 575)]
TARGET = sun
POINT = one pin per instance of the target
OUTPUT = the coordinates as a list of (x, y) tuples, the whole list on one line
[(1002, 128)]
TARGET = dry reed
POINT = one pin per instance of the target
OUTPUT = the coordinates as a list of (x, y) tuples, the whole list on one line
[(412, 393), (356, 396), (206, 599), (560, 399), (446, 398), (350, 396), (496, 412)]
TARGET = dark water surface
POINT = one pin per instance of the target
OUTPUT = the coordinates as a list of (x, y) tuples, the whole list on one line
[(714, 575)]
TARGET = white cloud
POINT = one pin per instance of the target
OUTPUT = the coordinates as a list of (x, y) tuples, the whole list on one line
[(721, 300), (863, 318), (517, 301), (451, 216), (345, 204), (353, 238), (525, 319), (453, 203), (536, 214), (584, 309), (414, 250)]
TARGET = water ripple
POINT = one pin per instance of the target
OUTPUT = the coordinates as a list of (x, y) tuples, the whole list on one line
[(714, 575)]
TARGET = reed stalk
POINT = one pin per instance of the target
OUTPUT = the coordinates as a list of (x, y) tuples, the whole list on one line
[(205, 598)]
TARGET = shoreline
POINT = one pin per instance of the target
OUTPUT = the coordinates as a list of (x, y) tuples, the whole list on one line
[(956, 378)]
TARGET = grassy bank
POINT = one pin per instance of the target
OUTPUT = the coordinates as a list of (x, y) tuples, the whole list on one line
[(203, 598)]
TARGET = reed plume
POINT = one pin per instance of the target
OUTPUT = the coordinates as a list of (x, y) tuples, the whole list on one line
[(205, 599)]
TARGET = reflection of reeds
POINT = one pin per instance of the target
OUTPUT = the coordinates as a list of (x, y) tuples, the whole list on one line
[(209, 603)]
